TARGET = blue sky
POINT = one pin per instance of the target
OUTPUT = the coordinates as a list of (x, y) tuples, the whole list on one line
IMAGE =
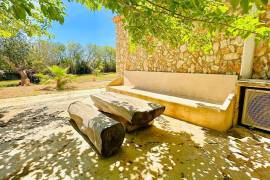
[(84, 26)]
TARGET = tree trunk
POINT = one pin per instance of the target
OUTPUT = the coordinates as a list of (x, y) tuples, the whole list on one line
[(104, 133), (24, 78)]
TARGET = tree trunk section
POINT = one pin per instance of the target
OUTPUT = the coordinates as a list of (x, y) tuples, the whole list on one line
[(104, 133), (133, 110), (24, 78)]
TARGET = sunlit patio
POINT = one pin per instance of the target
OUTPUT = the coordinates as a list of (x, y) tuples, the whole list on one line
[(37, 141)]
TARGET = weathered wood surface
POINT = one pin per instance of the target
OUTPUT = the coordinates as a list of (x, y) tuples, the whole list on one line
[(106, 134), (129, 127), (134, 110)]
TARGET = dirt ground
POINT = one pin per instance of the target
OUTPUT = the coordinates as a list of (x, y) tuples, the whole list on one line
[(80, 82), (33, 90), (38, 142)]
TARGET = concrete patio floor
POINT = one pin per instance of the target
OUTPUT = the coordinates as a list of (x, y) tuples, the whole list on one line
[(38, 142)]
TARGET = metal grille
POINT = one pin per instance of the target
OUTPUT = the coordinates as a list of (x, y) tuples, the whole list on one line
[(257, 109)]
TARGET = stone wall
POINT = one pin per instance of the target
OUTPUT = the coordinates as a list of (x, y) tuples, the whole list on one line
[(224, 58), (122, 46)]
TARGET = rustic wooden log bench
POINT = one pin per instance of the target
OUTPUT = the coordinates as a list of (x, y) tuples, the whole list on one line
[(134, 110), (105, 134), (129, 127), (206, 100)]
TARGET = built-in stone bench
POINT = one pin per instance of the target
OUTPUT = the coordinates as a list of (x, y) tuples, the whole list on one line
[(204, 99)]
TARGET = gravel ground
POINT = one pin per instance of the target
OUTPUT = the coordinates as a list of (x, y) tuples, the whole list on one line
[(38, 142)]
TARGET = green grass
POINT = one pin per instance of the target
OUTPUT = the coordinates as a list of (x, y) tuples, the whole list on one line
[(90, 77), (9, 83)]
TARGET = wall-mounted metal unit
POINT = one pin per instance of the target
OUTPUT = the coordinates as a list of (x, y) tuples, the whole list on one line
[(256, 109)]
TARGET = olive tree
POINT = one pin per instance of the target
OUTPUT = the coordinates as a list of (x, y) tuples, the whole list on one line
[(14, 52)]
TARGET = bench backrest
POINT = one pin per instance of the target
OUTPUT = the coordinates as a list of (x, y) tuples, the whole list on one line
[(207, 87)]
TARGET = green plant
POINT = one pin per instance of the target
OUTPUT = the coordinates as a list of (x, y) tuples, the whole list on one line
[(9, 83), (97, 67), (58, 75)]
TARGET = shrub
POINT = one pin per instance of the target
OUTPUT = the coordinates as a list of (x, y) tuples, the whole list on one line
[(97, 68), (58, 75)]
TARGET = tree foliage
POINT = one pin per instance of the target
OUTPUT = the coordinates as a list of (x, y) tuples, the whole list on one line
[(14, 53), (30, 16), (100, 58), (20, 53), (108, 58), (175, 22), (193, 22), (44, 53), (74, 56), (16, 50)]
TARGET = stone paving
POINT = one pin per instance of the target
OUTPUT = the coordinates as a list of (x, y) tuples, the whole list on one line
[(37, 142)]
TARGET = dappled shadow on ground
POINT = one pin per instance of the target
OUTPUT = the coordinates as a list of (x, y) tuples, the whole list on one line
[(53, 88), (144, 153), (2, 112), (39, 144), (26, 123), (47, 88), (240, 153)]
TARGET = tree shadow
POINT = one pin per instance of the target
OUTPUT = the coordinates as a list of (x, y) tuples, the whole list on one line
[(47, 88), (62, 155), (239, 153), (41, 145), (22, 124), (52, 88), (34, 148), (2, 124), (3, 112)]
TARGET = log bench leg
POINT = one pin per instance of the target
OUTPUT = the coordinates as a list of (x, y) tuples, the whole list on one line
[(103, 132)]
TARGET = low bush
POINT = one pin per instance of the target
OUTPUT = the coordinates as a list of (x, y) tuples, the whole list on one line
[(58, 75)]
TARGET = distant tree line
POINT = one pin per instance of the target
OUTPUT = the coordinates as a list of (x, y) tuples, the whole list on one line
[(21, 54)]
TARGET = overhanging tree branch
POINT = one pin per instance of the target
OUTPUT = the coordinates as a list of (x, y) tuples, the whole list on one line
[(181, 16)]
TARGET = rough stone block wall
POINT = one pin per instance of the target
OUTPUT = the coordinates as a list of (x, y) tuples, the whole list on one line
[(224, 58), (122, 46)]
